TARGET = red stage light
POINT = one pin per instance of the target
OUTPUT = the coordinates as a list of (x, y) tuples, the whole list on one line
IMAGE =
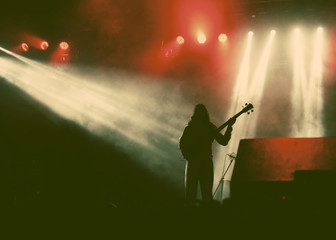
[(24, 47), (44, 45), (61, 54), (64, 45), (180, 40)]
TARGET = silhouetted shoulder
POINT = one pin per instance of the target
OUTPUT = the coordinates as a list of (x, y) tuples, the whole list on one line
[(212, 127)]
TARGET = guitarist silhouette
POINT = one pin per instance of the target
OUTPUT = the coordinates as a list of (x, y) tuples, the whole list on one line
[(196, 147)]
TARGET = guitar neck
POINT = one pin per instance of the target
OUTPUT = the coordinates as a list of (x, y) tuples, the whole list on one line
[(221, 127)]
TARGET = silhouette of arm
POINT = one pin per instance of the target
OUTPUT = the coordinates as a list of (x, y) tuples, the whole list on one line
[(224, 139)]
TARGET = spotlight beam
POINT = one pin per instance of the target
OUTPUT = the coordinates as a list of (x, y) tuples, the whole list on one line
[(252, 91), (256, 90), (115, 109), (299, 80), (307, 98), (90, 92)]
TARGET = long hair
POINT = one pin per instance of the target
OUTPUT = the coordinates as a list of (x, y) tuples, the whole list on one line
[(201, 115)]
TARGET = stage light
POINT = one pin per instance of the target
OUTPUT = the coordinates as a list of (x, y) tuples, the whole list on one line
[(61, 55), (24, 47), (64, 45), (222, 38), (273, 32), (250, 33), (201, 38), (180, 40), (35, 41), (44, 45)]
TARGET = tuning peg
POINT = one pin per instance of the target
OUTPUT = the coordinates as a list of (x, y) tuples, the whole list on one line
[(252, 110), (248, 112), (245, 104)]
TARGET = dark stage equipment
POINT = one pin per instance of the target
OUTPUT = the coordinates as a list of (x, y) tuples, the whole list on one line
[(285, 168)]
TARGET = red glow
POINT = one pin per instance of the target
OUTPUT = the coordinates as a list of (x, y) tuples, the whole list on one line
[(64, 45), (199, 22), (160, 59), (61, 54), (180, 40), (331, 60), (24, 47), (60, 57), (276, 159), (44, 45), (35, 42)]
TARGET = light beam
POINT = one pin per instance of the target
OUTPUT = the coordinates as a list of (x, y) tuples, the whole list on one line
[(307, 100), (112, 106), (250, 91)]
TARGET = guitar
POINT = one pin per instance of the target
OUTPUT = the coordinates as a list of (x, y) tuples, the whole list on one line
[(186, 143), (247, 108)]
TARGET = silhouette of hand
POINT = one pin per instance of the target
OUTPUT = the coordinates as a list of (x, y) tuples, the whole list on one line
[(232, 121)]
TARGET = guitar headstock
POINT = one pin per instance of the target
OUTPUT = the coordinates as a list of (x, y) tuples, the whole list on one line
[(247, 108)]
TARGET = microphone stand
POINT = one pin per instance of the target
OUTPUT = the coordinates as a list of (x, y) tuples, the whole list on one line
[(221, 181)]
